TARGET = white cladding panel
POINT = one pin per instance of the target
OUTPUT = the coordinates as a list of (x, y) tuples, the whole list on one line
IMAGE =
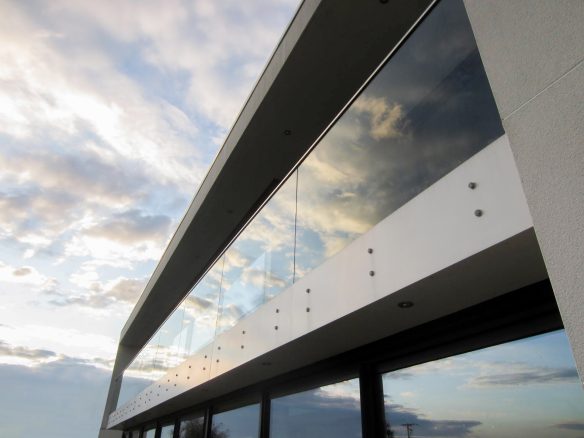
[(433, 231)]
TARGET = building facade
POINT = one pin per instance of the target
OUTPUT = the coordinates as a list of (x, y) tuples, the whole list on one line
[(389, 243)]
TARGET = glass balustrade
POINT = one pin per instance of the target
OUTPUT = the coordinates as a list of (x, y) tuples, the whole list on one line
[(429, 109)]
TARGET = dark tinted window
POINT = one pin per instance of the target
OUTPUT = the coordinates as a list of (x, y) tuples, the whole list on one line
[(331, 411), (192, 427), (238, 423), (527, 388)]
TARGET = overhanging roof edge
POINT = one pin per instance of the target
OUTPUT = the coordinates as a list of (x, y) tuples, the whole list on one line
[(286, 43)]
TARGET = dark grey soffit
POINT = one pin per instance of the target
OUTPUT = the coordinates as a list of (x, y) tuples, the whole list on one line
[(329, 49)]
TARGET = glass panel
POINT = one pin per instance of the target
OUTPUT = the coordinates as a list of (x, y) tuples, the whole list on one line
[(200, 310), (260, 262), (332, 411), (192, 427), (169, 352), (167, 431), (238, 423), (527, 388), (150, 433), (429, 109), (135, 434), (140, 374)]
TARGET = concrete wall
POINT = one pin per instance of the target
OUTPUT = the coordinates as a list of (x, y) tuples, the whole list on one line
[(533, 52)]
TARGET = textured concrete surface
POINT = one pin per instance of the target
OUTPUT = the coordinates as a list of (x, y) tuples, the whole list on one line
[(548, 142), (533, 53), (528, 43)]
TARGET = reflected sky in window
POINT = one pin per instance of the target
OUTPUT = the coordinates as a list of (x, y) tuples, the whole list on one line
[(330, 411), (201, 308), (527, 388), (167, 431), (237, 423), (260, 262), (427, 111)]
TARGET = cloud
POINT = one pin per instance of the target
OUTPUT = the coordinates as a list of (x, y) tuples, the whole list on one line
[(339, 406), (25, 275), (573, 425), (216, 49), (100, 295), (385, 118), (34, 357), (32, 354), (132, 226), (21, 272), (199, 303), (63, 342), (519, 374), (398, 415)]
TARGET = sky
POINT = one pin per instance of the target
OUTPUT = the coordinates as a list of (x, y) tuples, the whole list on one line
[(110, 115)]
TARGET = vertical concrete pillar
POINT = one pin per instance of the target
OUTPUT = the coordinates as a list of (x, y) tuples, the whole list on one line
[(533, 52), (123, 357)]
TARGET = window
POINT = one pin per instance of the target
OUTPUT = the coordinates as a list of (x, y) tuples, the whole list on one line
[(331, 411), (527, 388), (237, 423), (192, 427), (150, 433), (167, 431)]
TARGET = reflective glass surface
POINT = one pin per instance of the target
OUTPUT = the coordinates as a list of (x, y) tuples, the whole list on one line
[(192, 427), (170, 349), (527, 388), (200, 310), (140, 374), (331, 411), (237, 423), (150, 433), (428, 110), (167, 431), (260, 262)]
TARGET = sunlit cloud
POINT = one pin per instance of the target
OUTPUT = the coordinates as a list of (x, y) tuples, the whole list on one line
[(385, 118), (24, 355), (23, 275)]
